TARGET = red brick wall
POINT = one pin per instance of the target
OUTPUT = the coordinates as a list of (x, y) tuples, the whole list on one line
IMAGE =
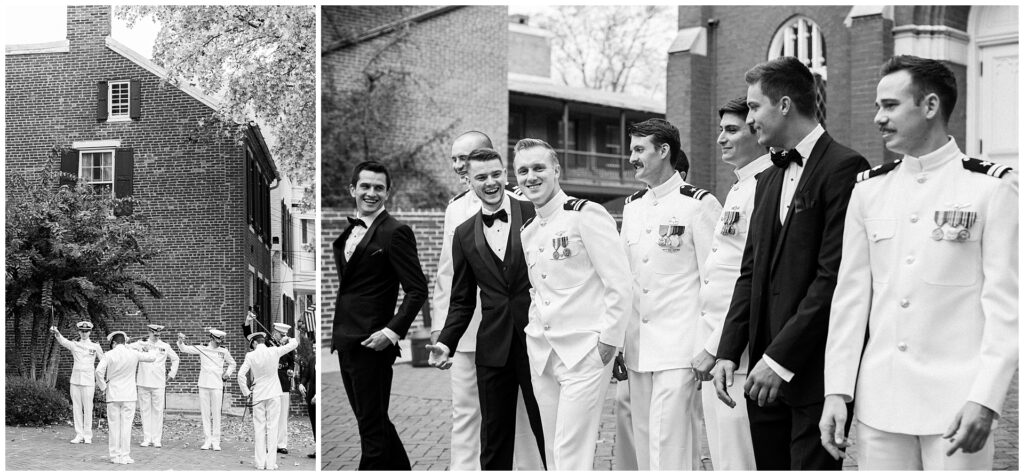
[(458, 60), (191, 184), (427, 226)]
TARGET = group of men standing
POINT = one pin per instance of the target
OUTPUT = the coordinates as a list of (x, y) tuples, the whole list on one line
[(133, 373), (821, 291)]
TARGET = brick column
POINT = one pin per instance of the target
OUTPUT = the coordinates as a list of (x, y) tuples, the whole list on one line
[(689, 102), (871, 44)]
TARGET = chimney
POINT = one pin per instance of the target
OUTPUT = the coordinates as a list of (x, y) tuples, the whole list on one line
[(529, 48), (88, 25)]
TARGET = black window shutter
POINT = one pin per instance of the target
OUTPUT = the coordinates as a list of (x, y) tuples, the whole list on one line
[(124, 173), (135, 100), (68, 167), (101, 101)]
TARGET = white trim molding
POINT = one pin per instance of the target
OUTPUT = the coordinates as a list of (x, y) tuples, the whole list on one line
[(858, 11), (692, 40), (61, 46), (152, 67), (936, 42), (97, 144)]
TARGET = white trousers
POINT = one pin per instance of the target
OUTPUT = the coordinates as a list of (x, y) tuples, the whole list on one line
[(151, 408), (466, 418), (625, 447), (466, 421), (570, 402), (282, 422), (664, 409), (880, 450), (265, 416), (728, 428), (119, 433), (210, 401), (81, 406)]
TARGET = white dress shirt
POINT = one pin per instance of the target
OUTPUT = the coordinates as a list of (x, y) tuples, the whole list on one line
[(358, 232), (792, 176), (262, 361), (85, 354), (497, 234)]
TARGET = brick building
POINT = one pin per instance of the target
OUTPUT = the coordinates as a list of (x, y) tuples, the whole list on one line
[(205, 194), (844, 45)]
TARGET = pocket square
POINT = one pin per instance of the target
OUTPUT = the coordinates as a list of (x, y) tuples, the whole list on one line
[(377, 252), (803, 202)]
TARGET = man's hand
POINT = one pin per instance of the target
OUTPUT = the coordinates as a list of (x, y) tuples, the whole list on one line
[(607, 352), (762, 384), (377, 341), (224, 376), (434, 335), (249, 317), (701, 364), (53, 330), (833, 426), (170, 377), (291, 373), (439, 356), (970, 428), (302, 390), (722, 375)]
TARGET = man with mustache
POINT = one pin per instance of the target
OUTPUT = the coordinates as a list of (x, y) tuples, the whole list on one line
[(375, 254), (727, 425), (466, 416), (780, 304), (579, 309), (666, 233), (923, 335), (487, 255)]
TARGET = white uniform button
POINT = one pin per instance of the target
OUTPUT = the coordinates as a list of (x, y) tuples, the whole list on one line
[(547, 303), (913, 218), (910, 260), (645, 320), (714, 250), (646, 290), (648, 230), (543, 222), (547, 327), (703, 312), (705, 281), (922, 179), (543, 276), (902, 346), (541, 249), (646, 259), (655, 203), (904, 303), (735, 188)]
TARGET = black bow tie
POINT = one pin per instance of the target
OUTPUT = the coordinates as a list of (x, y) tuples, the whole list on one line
[(356, 222), (500, 215), (781, 159)]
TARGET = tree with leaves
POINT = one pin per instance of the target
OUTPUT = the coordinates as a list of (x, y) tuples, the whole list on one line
[(620, 48), (260, 61), (69, 257)]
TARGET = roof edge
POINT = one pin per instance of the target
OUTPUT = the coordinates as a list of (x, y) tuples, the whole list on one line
[(152, 67), (59, 46)]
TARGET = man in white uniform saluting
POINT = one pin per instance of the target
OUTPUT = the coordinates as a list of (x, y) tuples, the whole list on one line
[(266, 395), (212, 358), (83, 378)]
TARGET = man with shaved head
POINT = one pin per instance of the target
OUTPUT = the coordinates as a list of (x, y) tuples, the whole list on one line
[(466, 416)]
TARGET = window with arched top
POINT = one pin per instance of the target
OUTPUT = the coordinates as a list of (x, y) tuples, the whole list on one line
[(801, 38)]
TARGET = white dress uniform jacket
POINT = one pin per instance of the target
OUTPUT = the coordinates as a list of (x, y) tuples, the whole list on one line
[(154, 374), (723, 264), (85, 354), (116, 372), (263, 363), (211, 364), (582, 296), (938, 306), (667, 232)]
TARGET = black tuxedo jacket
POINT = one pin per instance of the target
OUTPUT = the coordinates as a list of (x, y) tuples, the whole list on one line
[(504, 288), (368, 283), (783, 296)]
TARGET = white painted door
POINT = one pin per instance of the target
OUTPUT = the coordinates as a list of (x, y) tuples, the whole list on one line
[(997, 106)]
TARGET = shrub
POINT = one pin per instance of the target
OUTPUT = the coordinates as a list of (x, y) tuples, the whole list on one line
[(32, 403)]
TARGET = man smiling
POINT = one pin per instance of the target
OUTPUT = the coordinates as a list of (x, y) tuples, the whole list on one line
[(579, 309), (374, 255)]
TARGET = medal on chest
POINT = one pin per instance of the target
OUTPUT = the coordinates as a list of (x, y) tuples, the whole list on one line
[(670, 236), (729, 220), (560, 245), (955, 224)]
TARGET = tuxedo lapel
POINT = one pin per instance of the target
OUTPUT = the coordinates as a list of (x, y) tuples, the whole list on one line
[(358, 252), (339, 250), (808, 174), (482, 249)]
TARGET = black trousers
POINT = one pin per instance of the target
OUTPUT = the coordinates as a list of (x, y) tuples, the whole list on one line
[(311, 409), (787, 437), (499, 389), (367, 377)]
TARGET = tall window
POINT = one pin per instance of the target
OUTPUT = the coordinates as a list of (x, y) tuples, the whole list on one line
[(118, 101), (801, 38), (96, 168)]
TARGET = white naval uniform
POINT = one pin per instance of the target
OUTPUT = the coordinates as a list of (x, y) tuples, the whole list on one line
[(578, 300), (266, 401), (666, 233), (83, 382), (211, 385), (152, 380), (115, 374), (285, 404), (728, 428), (940, 316), (466, 417)]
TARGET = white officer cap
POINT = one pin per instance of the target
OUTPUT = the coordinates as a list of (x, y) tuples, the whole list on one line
[(110, 337), (254, 335), (156, 328), (281, 327), (84, 326), (217, 334)]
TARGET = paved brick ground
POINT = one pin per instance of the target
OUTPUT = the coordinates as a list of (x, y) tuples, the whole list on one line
[(421, 410), (47, 448)]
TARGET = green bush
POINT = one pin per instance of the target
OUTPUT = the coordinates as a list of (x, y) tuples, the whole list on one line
[(32, 403)]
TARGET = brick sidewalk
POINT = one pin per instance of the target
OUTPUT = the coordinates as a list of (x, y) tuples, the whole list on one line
[(421, 411), (47, 448)]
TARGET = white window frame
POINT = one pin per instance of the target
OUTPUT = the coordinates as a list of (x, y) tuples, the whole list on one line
[(113, 164), (807, 40), (118, 117)]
